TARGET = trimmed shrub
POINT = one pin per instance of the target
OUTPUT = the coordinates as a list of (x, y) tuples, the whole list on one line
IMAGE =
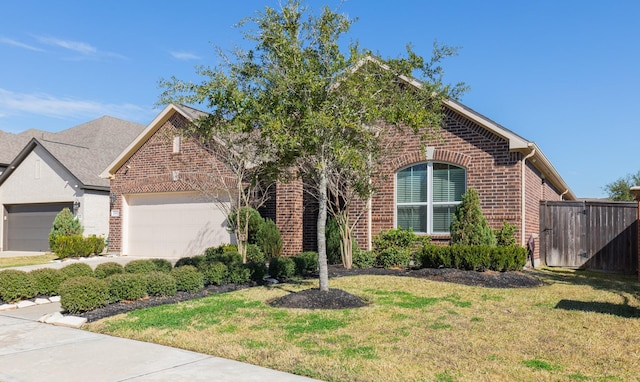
[(95, 245), (76, 270), (107, 269), (364, 259), (188, 278), (306, 262), (48, 280), (70, 246), (160, 284), (393, 257), (239, 273), (506, 235), (64, 224), (83, 293), (472, 257), (469, 226), (332, 235), (269, 239), (282, 267), (142, 266), (254, 254), (395, 238), (258, 270), (215, 273), (126, 286), (194, 261), (228, 257), (16, 285), (162, 265)]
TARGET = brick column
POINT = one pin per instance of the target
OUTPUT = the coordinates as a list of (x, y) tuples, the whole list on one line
[(289, 215), (636, 192)]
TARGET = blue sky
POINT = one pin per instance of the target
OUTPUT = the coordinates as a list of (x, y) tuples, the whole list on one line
[(564, 74)]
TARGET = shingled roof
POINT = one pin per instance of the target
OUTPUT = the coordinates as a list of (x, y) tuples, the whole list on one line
[(85, 150)]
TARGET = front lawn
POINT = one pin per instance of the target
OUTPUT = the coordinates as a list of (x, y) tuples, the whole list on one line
[(580, 326), (19, 261)]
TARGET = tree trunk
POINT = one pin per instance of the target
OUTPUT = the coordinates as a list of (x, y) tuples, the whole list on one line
[(322, 222)]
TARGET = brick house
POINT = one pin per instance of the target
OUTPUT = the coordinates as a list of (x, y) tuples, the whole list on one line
[(155, 212)]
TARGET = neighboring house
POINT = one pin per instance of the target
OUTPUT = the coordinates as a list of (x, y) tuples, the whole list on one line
[(42, 172), (158, 212)]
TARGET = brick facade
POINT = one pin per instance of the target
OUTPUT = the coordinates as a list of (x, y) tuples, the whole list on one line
[(154, 168)]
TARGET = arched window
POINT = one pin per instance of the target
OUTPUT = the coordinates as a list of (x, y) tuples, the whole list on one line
[(426, 196)]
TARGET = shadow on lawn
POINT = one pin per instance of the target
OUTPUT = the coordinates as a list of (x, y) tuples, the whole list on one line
[(620, 310), (611, 282)]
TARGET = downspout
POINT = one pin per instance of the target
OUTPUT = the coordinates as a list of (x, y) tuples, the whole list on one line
[(524, 194), (369, 221), (562, 195)]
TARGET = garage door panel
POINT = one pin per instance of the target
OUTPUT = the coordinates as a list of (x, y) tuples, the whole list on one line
[(29, 225), (173, 225)]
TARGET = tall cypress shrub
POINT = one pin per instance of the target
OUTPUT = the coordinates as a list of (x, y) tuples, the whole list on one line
[(469, 226), (64, 224)]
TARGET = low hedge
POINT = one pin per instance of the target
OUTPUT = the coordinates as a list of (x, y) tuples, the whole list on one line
[(83, 293), (363, 259), (161, 284), (77, 246), (215, 273), (282, 267), (472, 257), (393, 257), (77, 269), (48, 280), (126, 286), (107, 269), (306, 262), (141, 266), (16, 285), (188, 278)]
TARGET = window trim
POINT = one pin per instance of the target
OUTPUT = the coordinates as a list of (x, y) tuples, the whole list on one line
[(429, 203)]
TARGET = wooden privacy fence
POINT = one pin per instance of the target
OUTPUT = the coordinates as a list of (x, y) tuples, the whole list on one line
[(595, 235)]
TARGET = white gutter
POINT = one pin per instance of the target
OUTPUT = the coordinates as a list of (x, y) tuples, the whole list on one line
[(523, 212)]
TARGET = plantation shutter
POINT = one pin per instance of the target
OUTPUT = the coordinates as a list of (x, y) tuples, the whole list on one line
[(412, 185)]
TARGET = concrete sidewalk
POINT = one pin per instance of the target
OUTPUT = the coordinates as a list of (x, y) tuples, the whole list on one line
[(33, 351)]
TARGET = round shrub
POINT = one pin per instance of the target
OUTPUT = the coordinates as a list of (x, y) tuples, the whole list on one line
[(161, 284), (17, 285), (239, 273), (83, 293), (282, 267), (195, 261), (215, 273), (227, 257), (258, 271), (162, 265), (364, 259), (126, 286), (48, 280), (254, 253), (140, 266), (393, 257), (105, 270), (76, 270), (188, 278), (306, 262)]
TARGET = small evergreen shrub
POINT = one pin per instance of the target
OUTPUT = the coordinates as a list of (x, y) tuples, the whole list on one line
[(161, 284), (255, 222), (162, 265), (239, 273), (126, 286), (48, 280), (269, 240), (64, 224), (141, 266), (83, 293), (473, 257), (506, 235), (95, 245), (254, 254), (107, 269), (393, 257), (16, 285), (194, 261), (332, 235), (70, 246), (188, 278), (228, 258), (282, 267), (306, 262), (469, 226), (76, 270), (395, 238), (258, 270), (364, 259), (215, 273)]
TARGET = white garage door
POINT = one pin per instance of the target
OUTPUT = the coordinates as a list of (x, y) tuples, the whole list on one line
[(172, 225)]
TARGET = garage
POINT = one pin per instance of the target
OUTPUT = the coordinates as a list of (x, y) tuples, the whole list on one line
[(28, 225), (172, 225)]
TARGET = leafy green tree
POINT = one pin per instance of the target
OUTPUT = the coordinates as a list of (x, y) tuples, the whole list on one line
[(317, 105), (64, 224), (619, 189), (469, 226)]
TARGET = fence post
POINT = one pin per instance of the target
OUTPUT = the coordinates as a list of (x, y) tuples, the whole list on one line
[(636, 192)]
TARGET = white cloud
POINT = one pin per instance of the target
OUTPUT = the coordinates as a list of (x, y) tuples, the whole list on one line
[(12, 42), (185, 56), (85, 49), (41, 104)]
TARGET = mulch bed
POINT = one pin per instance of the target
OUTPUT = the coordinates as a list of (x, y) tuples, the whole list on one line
[(335, 298)]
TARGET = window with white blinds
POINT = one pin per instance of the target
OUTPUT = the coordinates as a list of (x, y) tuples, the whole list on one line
[(426, 196)]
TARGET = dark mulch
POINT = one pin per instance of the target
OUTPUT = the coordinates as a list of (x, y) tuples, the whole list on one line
[(335, 298)]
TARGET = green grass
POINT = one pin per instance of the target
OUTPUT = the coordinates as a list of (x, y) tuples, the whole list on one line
[(579, 326), (9, 262)]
